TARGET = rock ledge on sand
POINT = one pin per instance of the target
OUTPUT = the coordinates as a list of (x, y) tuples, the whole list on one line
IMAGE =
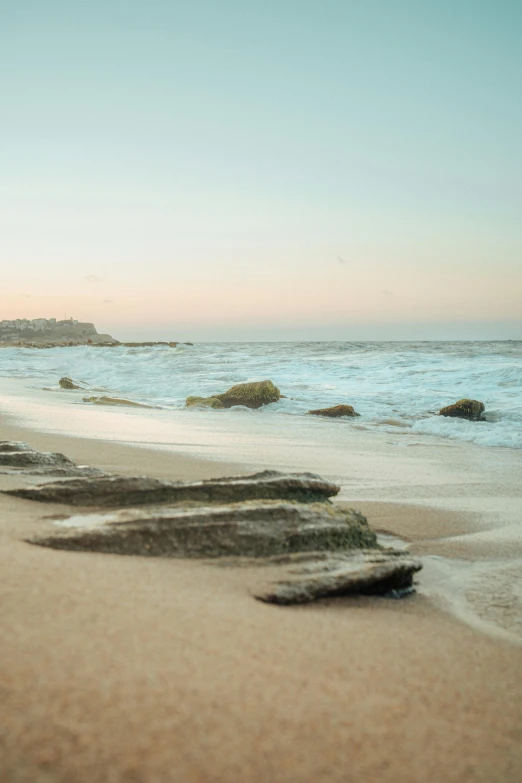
[(306, 578), (304, 546), (18, 457), (256, 528), (114, 491)]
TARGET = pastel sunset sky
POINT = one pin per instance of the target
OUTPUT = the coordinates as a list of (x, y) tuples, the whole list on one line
[(263, 170)]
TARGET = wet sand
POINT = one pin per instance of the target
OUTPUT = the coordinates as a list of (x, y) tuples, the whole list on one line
[(144, 670)]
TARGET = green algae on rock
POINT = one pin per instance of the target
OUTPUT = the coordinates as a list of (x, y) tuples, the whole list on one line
[(203, 402), (67, 383), (471, 410), (335, 411), (253, 395)]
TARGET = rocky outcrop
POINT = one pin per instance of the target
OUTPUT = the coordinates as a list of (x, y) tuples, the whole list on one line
[(17, 457), (311, 551), (465, 409), (59, 334), (13, 445), (258, 528), (335, 411), (252, 395), (148, 344), (27, 458), (306, 578), (67, 383), (115, 401), (116, 491), (306, 547), (203, 402)]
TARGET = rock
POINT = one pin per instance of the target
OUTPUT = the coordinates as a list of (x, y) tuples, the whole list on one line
[(135, 490), (259, 528), (307, 578), (15, 456), (203, 402), (114, 401), (465, 409), (58, 471), (253, 395), (13, 445), (27, 458), (149, 344), (335, 412), (67, 383)]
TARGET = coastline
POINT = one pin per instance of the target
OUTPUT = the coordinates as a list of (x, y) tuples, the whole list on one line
[(135, 669)]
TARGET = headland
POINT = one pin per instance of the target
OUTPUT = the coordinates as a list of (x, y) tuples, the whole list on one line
[(52, 333)]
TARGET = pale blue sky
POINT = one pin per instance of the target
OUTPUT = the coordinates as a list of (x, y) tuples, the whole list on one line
[(207, 164)]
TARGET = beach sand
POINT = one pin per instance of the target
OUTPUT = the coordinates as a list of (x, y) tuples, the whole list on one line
[(121, 669)]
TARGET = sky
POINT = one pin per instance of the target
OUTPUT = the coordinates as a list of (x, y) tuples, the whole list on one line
[(247, 170)]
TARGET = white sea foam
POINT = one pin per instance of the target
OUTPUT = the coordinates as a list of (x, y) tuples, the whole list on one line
[(394, 386)]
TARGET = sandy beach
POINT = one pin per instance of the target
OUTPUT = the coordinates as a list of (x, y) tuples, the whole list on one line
[(135, 669), (261, 393)]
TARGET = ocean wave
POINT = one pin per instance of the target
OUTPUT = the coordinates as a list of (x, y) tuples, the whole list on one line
[(385, 382), (484, 433)]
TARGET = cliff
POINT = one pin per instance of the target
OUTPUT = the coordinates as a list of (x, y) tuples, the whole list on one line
[(44, 333)]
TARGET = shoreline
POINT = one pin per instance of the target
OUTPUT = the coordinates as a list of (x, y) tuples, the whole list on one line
[(436, 502), (144, 669)]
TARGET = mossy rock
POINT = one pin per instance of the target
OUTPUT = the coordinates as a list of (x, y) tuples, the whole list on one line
[(335, 411), (471, 410), (67, 383), (252, 395), (203, 402)]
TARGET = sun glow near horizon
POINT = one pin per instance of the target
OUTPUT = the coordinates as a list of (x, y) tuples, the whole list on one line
[(262, 173)]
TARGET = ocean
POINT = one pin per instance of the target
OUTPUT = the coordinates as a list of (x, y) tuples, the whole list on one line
[(394, 386)]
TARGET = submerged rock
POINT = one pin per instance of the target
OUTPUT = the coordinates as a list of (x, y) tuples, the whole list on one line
[(306, 578), (465, 409), (335, 411), (203, 402), (67, 383), (258, 528), (108, 490), (253, 395), (114, 401)]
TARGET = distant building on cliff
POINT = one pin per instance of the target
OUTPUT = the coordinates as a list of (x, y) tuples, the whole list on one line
[(35, 324)]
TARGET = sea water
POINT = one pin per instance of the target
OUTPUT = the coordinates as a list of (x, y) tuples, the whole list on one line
[(392, 385)]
